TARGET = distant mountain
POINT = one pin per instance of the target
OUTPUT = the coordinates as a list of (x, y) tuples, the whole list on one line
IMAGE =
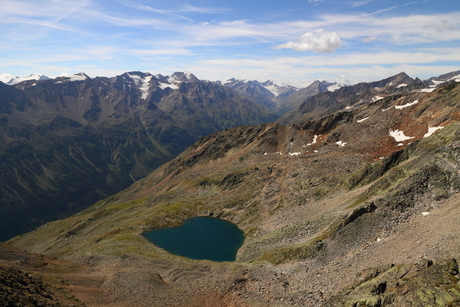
[(347, 97), (267, 94), (17, 80), (280, 98), (293, 101), (439, 80), (70, 141)]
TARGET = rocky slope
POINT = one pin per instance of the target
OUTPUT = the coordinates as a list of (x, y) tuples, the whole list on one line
[(32, 280), (375, 185), (67, 142)]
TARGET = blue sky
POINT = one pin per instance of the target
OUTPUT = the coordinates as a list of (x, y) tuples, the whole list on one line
[(295, 42)]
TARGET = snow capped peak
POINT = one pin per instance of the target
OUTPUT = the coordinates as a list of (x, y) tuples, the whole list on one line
[(175, 79), (78, 77), (69, 78), (268, 83), (17, 80), (185, 76), (230, 81)]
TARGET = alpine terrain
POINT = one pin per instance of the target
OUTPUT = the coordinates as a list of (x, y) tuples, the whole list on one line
[(354, 203), (70, 141)]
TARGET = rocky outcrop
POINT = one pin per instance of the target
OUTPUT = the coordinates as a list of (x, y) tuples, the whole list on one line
[(425, 283)]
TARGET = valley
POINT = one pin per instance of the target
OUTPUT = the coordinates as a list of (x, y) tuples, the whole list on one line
[(353, 203)]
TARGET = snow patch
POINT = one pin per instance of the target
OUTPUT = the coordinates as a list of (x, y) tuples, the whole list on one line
[(399, 136), (425, 213), (334, 87), (142, 84), (436, 83), (363, 119), (407, 105), (166, 85), (188, 75), (431, 130), (455, 78), (294, 153), (78, 77), (314, 140), (384, 110), (377, 98), (402, 85), (173, 80), (340, 143), (427, 90), (273, 89)]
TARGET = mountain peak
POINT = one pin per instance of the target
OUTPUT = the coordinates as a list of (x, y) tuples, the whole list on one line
[(184, 76)]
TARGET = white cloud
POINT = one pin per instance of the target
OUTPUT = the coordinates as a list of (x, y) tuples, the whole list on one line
[(359, 3), (203, 10), (49, 24), (369, 39), (318, 41)]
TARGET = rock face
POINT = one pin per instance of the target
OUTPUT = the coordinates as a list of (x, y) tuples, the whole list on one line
[(370, 190), (67, 142)]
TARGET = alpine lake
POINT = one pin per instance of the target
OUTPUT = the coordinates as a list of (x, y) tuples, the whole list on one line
[(200, 238)]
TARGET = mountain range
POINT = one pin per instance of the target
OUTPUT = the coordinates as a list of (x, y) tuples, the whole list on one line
[(354, 203), (70, 141)]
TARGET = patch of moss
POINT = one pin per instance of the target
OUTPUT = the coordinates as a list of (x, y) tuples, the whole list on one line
[(308, 250), (172, 214)]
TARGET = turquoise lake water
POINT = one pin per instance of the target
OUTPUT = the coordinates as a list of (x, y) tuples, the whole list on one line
[(200, 238)]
